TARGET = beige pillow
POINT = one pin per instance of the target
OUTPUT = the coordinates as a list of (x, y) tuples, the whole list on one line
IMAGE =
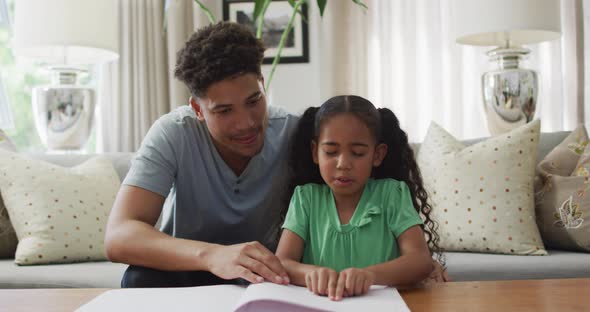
[(59, 214), (563, 194), (8, 240), (482, 195)]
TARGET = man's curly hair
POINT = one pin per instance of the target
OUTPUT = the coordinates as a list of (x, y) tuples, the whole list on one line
[(217, 52)]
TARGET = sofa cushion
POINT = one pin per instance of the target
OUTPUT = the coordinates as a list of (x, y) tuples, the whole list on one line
[(121, 161), (466, 266), (563, 194), (482, 195), (59, 214), (101, 274), (8, 240)]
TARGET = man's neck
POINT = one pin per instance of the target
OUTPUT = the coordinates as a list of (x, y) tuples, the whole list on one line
[(235, 162)]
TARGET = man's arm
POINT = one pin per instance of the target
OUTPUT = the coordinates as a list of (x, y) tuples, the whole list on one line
[(131, 238)]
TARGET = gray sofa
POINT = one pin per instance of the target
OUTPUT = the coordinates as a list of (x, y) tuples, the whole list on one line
[(461, 266)]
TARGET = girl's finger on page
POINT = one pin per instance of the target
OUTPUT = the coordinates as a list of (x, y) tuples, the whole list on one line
[(308, 282), (367, 286), (314, 284), (339, 293), (350, 284), (332, 286), (322, 282), (359, 285)]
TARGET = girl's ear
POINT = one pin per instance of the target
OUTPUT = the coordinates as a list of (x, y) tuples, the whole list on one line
[(314, 151), (379, 155)]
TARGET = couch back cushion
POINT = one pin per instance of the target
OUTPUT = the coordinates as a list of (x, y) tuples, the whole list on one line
[(121, 161)]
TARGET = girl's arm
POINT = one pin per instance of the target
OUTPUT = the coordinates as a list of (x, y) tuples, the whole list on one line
[(414, 264), (290, 252)]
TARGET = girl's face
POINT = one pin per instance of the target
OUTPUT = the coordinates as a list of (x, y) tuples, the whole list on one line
[(346, 152)]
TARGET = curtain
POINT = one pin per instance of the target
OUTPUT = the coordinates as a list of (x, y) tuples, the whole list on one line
[(140, 87), (407, 60)]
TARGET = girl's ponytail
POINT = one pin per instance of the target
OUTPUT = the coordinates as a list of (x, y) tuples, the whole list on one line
[(400, 164), (301, 168)]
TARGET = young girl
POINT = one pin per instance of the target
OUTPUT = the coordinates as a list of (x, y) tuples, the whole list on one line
[(353, 220)]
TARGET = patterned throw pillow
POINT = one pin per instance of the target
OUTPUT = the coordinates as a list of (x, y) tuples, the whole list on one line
[(8, 240), (59, 214), (482, 195), (563, 194)]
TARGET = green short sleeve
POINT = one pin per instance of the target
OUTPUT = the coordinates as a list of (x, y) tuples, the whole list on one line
[(404, 214), (297, 219)]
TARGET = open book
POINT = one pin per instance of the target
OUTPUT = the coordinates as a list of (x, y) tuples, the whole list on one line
[(256, 297)]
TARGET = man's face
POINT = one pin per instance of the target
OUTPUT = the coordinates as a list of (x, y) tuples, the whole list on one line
[(235, 112)]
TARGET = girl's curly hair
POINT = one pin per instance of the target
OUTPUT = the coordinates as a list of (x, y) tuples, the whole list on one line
[(399, 162), (217, 52)]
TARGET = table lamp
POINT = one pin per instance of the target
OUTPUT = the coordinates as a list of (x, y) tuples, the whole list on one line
[(65, 36), (509, 92)]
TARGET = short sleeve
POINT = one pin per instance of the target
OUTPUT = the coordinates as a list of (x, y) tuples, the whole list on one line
[(297, 219), (154, 166), (404, 214)]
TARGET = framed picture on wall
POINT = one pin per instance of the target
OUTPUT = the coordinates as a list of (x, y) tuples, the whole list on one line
[(278, 13)]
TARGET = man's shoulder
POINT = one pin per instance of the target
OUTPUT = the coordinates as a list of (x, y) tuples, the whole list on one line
[(278, 113), (176, 121), (178, 115)]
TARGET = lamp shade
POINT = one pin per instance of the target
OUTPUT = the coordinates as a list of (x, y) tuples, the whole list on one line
[(69, 32), (498, 22)]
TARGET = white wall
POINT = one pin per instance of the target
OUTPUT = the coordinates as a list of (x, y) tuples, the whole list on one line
[(297, 86)]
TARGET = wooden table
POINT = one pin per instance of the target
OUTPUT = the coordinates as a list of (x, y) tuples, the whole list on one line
[(527, 295)]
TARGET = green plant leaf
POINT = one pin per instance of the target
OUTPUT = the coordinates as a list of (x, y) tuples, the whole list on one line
[(284, 36), (205, 9), (322, 6), (258, 5), (292, 3), (360, 3), (260, 22)]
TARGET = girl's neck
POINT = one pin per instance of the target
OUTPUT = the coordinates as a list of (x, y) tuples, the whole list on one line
[(346, 206)]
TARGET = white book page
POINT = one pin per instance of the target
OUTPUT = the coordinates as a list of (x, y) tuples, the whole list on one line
[(273, 297), (206, 298)]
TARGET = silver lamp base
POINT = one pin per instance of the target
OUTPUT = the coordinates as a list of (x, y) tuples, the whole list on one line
[(509, 93), (64, 112)]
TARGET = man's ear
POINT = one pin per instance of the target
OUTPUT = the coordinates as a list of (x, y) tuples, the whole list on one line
[(197, 108), (314, 152), (379, 155)]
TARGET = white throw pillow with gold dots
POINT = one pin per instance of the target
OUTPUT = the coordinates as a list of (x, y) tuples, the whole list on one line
[(59, 214), (482, 195)]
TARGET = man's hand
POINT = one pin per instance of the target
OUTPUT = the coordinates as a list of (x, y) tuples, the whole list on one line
[(322, 281), (353, 282), (250, 261)]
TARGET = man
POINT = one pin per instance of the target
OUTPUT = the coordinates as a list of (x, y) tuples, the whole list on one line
[(216, 170), (221, 162)]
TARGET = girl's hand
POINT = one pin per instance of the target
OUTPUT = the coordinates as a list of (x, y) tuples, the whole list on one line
[(322, 281), (354, 282)]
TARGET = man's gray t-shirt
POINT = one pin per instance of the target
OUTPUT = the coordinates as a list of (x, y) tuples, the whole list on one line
[(205, 200)]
